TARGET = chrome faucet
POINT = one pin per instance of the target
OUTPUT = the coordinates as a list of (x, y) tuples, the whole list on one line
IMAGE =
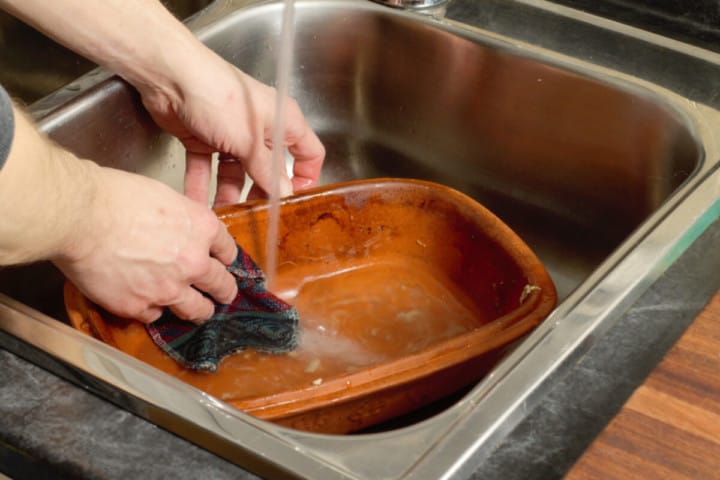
[(417, 5)]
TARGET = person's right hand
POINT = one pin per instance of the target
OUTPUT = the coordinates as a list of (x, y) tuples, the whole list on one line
[(144, 246)]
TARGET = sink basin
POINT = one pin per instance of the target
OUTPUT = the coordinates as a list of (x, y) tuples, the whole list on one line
[(585, 136), (35, 66)]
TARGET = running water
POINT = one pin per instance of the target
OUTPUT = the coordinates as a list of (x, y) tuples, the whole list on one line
[(284, 63)]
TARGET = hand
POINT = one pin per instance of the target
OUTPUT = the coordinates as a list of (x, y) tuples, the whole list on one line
[(226, 111), (189, 90), (145, 247)]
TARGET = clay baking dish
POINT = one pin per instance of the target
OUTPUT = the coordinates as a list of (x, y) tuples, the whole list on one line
[(406, 290)]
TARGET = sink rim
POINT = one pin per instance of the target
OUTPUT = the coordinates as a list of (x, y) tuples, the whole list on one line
[(613, 286)]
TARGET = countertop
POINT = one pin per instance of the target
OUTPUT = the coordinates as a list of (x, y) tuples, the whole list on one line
[(50, 428), (670, 427), (691, 21)]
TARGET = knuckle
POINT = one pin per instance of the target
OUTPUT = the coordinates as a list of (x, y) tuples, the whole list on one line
[(208, 223), (293, 107), (199, 309), (226, 287), (135, 309), (169, 294), (199, 267), (213, 225), (182, 313), (194, 264), (150, 315)]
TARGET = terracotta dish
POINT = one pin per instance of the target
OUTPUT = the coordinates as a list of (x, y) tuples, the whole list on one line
[(406, 290)]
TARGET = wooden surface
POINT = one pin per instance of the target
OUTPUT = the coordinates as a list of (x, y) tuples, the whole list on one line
[(670, 427)]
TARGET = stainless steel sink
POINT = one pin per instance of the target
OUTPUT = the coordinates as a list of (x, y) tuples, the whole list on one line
[(33, 65), (587, 137)]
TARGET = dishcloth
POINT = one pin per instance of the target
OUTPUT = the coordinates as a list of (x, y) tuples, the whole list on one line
[(256, 318)]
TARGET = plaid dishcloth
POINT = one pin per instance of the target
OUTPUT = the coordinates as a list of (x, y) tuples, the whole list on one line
[(255, 319)]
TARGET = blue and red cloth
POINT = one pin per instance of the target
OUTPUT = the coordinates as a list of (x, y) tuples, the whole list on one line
[(255, 319)]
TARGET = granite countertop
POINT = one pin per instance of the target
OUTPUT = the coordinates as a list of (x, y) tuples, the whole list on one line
[(49, 428)]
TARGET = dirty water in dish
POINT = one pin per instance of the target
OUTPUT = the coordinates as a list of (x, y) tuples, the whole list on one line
[(405, 315), (417, 309)]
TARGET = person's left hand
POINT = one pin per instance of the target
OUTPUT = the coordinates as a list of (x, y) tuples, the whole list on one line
[(220, 109), (189, 90)]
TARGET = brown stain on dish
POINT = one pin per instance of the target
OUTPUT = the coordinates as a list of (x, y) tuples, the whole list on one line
[(404, 290)]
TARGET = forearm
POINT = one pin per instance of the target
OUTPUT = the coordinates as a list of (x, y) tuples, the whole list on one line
[(130, 243), (43, 192), (137, 39)]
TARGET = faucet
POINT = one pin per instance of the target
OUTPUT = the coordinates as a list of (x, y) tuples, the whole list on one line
[(421, 6)]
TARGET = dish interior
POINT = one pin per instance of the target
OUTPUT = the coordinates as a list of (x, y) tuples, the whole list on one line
[(378, 271)]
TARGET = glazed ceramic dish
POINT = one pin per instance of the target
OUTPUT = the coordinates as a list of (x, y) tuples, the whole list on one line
[(407, 291)]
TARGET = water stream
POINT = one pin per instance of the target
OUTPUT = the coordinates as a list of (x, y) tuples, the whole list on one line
[(284, 64)]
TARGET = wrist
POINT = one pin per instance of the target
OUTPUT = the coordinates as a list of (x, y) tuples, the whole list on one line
[(179, 72), (78, 211), (44, 192), (161, 70)]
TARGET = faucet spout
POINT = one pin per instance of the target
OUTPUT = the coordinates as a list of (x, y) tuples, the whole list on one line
[(418, 5)]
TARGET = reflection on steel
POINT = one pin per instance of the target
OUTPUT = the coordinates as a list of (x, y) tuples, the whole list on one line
[(586, 136)]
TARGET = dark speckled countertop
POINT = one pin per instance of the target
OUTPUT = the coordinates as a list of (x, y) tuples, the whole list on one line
[(691, 21), (50, 428)]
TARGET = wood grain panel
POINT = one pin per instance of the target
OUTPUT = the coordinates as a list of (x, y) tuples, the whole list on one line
[(670, 427)]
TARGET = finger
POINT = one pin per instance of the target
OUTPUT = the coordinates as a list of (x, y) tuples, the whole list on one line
[(223, 246), (193, 306), (305, 147), (218, 283), (230, 182), (149, 315), (309, 155), (197, 176), (256, 193), (261, 170)]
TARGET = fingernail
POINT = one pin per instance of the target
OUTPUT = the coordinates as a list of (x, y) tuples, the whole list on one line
[(286, 188), (303, 183)]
